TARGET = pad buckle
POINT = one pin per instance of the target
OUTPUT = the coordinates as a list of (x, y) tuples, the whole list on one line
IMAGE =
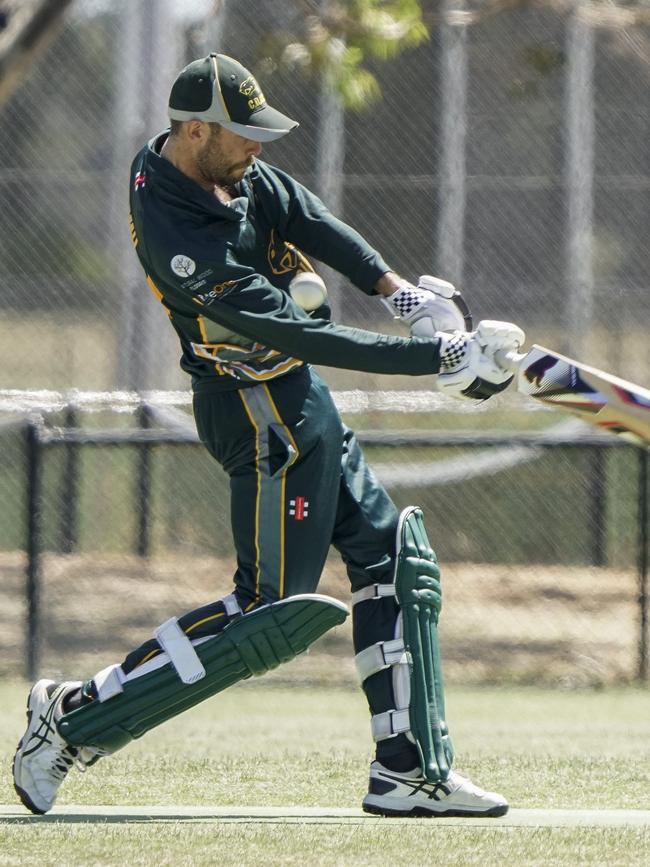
[(179, 649)]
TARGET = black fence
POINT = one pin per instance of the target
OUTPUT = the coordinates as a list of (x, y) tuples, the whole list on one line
[(40, 438)]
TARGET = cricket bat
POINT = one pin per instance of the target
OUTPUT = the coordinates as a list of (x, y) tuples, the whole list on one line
[(596, 397)]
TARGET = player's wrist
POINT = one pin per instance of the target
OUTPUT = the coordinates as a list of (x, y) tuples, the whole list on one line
[(388, 283)]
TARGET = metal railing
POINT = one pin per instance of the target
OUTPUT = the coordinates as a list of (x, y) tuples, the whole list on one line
[(39, 438)]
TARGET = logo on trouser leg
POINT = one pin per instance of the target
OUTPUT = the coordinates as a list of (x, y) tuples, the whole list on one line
[(299, 508)]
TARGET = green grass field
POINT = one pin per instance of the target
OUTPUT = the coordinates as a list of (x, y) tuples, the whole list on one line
[(270, 745)]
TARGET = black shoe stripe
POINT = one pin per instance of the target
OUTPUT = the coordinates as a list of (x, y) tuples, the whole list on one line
[(418, 786), (44, 729), (39, 736)]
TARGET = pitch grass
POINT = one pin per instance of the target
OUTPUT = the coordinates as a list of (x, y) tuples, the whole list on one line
[(258, 745)]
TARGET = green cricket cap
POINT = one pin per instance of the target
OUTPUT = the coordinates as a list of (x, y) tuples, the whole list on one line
[(220, 90)]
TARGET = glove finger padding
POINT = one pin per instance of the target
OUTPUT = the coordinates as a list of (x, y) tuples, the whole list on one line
[(433, 305), (468, 367)]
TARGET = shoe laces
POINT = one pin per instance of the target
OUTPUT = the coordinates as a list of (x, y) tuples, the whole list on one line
[(63, 761), (79, 757)]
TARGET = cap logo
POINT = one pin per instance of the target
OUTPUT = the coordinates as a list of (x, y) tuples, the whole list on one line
[(250, 88)]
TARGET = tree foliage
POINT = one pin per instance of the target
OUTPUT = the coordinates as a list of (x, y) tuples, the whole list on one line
[(336, 39), (604, 13)]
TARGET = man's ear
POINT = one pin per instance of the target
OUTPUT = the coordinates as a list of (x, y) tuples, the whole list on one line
[(196, 130)]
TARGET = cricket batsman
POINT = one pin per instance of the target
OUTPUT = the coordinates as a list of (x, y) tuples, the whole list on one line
[(226, 243)]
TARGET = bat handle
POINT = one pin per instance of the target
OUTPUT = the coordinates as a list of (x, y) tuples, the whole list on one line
[(509, 360)]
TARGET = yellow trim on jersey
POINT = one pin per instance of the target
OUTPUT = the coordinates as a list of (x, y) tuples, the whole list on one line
[(158, 294), (156, 291), (258, 497), (262, 375), (134, 234), (210, 352), (203, 331)]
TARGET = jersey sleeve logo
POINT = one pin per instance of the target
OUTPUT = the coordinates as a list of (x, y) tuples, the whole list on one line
[(182, 266), (284, 258)]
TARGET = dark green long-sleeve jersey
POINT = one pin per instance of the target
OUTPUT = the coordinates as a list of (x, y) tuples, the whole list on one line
[(222, 274)]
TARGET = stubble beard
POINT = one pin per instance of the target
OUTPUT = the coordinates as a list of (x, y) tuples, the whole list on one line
[(214, 169)]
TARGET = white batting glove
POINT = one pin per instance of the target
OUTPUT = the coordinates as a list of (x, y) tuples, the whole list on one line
[(433, 305), (468, 367)]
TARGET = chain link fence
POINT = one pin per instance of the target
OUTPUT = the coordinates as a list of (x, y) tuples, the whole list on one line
[(508, 154)]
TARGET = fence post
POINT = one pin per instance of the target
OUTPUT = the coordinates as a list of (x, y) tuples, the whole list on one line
[(70, 488), (580, 138), (33, 545), (642, 560), (143, 488), (597, 493)]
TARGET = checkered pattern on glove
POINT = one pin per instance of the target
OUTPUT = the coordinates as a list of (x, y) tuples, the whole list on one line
[(407, 299), (433, 305), (453, 351)]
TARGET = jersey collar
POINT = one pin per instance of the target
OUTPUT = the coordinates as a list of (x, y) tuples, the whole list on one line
[(165, 175)]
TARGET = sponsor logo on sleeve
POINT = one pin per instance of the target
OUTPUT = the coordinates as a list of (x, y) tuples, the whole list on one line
[(182, 266), (217, 291)]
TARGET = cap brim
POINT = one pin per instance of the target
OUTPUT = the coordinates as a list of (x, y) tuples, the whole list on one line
[(268, 124)]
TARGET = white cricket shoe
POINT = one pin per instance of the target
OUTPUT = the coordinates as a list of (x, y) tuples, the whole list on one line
[(409, 794), (43, 757)]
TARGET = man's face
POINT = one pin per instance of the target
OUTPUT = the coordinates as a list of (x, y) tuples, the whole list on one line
[(225, 156)]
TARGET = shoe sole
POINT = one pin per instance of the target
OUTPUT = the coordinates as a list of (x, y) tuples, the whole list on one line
[(22, 794), (419, 812)]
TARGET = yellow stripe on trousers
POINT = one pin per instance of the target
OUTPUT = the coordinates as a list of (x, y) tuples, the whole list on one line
[(270, 503)]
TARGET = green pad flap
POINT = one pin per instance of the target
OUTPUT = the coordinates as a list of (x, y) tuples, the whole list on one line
[(417, 584), (249, 645)]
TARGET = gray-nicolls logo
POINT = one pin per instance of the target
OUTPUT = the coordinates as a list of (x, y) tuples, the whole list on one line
[(299, 508)]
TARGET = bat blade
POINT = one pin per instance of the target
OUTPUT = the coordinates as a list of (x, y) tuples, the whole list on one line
[(596, 397)]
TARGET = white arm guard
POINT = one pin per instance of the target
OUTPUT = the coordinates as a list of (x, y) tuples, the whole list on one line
[(468, 369), (433, 305)]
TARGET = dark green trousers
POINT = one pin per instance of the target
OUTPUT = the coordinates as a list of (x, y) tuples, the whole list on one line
[(299, 485)]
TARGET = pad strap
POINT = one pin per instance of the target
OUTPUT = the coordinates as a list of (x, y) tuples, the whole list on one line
[(179, 648), (249, 645), (108, 682), (388, 724), (231, 605), (375, 591), (379, 656)]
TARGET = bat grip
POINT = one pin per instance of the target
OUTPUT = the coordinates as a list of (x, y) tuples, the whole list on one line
[(509, 360)]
